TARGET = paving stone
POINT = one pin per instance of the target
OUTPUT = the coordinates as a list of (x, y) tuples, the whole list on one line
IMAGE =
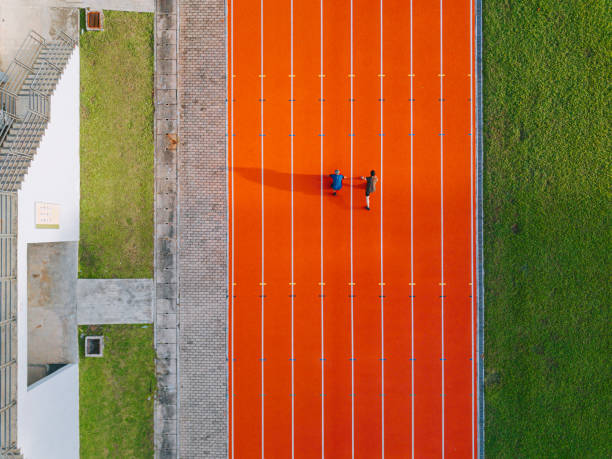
[(166, 111), (166, 157), (167, 52), (166, 6), (166, 335), (165, 411), (163, 170), (166, 247), (165, 126), (168, 442), (165, 230), (165, 22), (166, 275), (166, 37), (166, 395), (166, 66), (166, 305), (166, 290), (165, 366), (166, 321), (165, 184), (165, 96), (167, 427), (166, 351), (168, 380), (163, 215)]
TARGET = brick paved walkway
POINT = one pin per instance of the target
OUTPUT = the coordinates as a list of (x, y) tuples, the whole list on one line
[(202, 230)]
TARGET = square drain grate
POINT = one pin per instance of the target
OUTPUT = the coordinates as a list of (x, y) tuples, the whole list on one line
[(94, 20), (94, 346)]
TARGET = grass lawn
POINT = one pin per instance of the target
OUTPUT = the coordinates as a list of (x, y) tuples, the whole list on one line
[(547, 234), (116, 393), (117, 148)]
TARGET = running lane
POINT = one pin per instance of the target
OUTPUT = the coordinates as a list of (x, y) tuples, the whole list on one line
[(457, 228), (396, 227), (277, 228), (336, 238), (307, 229), (428, 391), (245, 417), (366, 228)]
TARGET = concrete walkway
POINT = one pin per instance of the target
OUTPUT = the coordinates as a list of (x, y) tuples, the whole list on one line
[(166, 313), (114, 301)]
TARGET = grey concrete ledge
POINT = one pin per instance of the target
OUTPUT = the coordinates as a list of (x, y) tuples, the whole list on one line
[(115, 301), (142, 6)]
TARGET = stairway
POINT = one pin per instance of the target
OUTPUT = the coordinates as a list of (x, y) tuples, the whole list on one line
[(28, 114)]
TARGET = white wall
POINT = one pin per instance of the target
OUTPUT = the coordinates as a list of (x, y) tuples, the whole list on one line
[(51, 405), (48, 414)]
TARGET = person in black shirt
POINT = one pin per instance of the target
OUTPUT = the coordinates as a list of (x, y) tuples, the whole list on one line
[(371, 182)]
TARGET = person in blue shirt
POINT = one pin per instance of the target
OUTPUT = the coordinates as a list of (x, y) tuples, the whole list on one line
[(337, 178)]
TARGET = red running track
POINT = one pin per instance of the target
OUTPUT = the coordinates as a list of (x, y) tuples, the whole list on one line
[(352, 332)]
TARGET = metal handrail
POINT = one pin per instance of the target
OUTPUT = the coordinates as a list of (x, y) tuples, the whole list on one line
[(8, 330), (23, 63)]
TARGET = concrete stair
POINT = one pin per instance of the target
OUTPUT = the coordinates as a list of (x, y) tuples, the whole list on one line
[(18, 143)]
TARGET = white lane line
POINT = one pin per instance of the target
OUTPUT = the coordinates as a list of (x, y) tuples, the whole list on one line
[(442, 213), (382, 288), (472, 361), (321, 254), (261, 135), (292, 263), (412, 395), (233, 213), (352, 277)]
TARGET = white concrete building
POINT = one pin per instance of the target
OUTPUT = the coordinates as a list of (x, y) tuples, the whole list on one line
[(48, 410)]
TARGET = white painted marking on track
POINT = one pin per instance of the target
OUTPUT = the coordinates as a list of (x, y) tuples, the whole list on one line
[(261, 80), (472, 137), (352, 277), (382, 281), (292, 263), (412, 393), (322, 283), (442, 210), (232, 399)]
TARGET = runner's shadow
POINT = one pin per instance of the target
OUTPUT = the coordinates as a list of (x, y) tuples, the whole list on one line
[(309, 184)]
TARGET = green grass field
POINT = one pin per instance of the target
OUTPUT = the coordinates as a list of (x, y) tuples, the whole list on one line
[(547, 234), (116, 393), (117, 148)]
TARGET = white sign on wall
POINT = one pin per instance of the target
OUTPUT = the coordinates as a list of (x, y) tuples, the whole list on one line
[(47, 215)]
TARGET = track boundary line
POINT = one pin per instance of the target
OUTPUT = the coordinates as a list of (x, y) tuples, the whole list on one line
[(321, 253), (292, 260), (412, 394), (261, 136), (233, 246), (479, 233), (441, 76), (472, 361), (352, 136), (382, 288)]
